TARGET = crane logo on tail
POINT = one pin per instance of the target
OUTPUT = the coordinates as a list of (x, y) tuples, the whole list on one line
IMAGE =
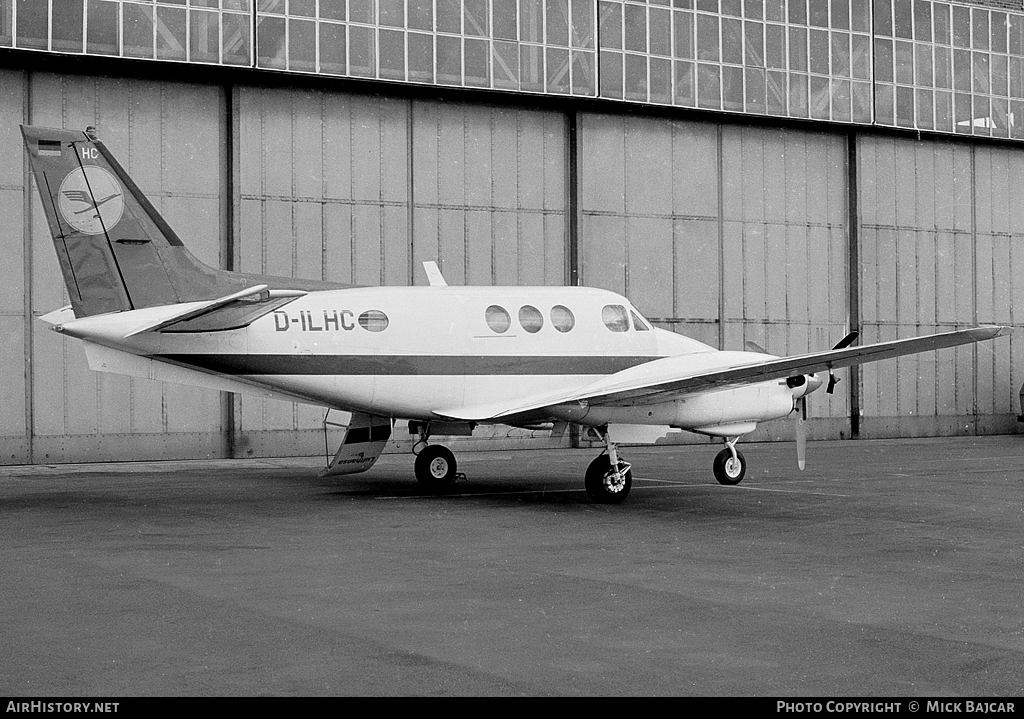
[(91, 200)]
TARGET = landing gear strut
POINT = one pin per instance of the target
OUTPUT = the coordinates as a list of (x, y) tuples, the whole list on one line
[(608, 479), (730, 466)]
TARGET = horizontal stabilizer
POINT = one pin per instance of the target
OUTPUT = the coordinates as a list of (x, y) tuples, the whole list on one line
[(193, 312)]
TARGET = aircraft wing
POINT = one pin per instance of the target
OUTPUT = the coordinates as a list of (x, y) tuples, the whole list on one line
[(670, 378)]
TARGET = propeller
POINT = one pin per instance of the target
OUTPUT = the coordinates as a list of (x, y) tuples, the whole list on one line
[(800, 403)]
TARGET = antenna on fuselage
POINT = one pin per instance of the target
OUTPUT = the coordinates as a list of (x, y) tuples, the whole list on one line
[(434, 276)]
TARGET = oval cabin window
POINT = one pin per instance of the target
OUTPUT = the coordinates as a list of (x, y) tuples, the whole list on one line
[(498, 319), (615, 318), (531, 319), (373, 321), (562, 318)]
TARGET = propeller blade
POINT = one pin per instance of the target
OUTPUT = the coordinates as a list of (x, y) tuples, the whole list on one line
[(832, 382), (754, 347), (847, 341), (801, 434)]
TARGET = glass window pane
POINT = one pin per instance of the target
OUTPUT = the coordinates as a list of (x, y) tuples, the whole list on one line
[(138, 31), (923, 20), (67, 25), (449, 17), (204, 36), (421, 14), (981, 67), (475, 21), (362, 11), (530, 319), (478, 57), (302, 45), (841, 54), (707, 38), (818, 15), (732, 41), (709, 86), (562, 318), (498, 318), (506, 21), (661, 32), (943, 67), (775, 46), (798, 95), (270, 42), (583, 73), (636, 77), (944, 111), (506, 65), (531, 22), (6, 23), (820, 51), (610, 74), (883, 61), (235, 36), (683, 88), (336, 10), (104, 31), (925, 115), (860, 56), (776, 92), (904, 60), (923, 65), (883, 17), (332, 48), (903, 19), (732, 88), (682, 35), (980, 27), (615, 318), (820, 98), (961, 26), (558, 70), (392, 13), (999, 28), (170, 41), (300, 8), (391, 44), (861, 101), (635, 28), (361, 51), (860, 15), (884, 107), (421, 57), (797, 12), (557, 22), (841, 101), (449, 60), (798, 49), (905, 106), (840, 15), (753, 47), (755, 90), (582, 23), (660, 80), (373, 321), (941, 23), (531, 68)]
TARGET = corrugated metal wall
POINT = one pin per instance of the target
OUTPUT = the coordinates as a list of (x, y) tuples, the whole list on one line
[(724, 232), (728, 234), (942, 227)]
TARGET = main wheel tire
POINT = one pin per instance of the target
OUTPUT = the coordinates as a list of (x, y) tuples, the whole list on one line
[(435, 468), (728, 470), (600, 484)]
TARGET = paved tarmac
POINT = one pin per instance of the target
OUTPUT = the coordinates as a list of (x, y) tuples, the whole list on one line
[(887, 568)]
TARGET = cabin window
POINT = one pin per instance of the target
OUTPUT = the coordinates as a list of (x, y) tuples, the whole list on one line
[(531, 319), (562, 318), (638, 324), (498, 319), (615, 318), (373, 321)]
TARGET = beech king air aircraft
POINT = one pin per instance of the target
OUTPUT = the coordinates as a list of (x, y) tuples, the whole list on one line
[(445, 358)]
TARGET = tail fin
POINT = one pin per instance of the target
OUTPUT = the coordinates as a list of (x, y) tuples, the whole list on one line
[(115, 250)]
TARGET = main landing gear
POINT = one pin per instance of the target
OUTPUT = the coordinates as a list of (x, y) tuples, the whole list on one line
[(730, 466), (608, 479), (436, 468)]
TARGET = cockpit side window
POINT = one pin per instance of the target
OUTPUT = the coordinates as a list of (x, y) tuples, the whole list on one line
[(531, 319), (615, 318), (498, 319), (638, 324)]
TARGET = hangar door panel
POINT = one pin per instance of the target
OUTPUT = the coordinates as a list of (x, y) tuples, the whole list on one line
[(78, 413)]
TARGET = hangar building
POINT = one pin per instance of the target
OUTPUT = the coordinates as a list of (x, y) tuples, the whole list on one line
[(773, 171)]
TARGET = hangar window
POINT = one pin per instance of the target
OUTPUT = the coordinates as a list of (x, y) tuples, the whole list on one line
[(638, 324), (562, 318), (373, 321), (615, 318), (531, 319), (498, 319)]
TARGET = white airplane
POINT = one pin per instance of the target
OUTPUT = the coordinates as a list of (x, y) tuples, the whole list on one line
[(445, 358)]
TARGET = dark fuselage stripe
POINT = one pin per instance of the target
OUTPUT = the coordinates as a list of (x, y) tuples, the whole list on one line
[(364, 365)]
